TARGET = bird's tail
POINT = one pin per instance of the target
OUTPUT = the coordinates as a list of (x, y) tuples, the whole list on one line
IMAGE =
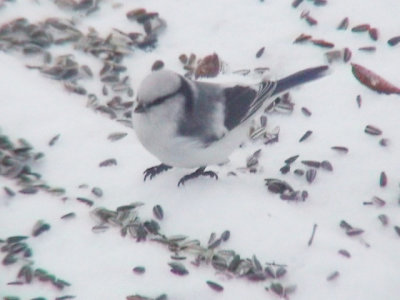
[(299, 78)]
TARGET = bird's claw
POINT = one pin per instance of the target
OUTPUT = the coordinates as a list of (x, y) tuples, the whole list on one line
[(153, 171), (199, 172)]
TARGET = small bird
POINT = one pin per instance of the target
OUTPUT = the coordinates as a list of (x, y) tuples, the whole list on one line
[(193, 124)]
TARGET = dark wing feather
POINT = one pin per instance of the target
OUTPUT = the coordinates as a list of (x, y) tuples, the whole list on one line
[(241, 102)]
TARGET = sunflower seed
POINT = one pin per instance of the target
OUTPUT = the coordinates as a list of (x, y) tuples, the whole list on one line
[(277, 288), (305, 136), (361, 28), (158, 212), (384, 219), (372, 130), (299, 172), (346, 55), (280, 272), (9, 259), (306, 111), (343, 24), (29, 190), (345, 225), (215, 286), (340, 149), (85, 200), (302, 38), (68, 216), (333, 276), (326, 165), (345, 253), (178, 268), (157, 65), (394, 41), (225, 235), (139, 270), (296, 3), (354, 231), (311, 163), (108, 162), (367, 49), (39, 228), (383, 179), (15, 283), (260, 52), (116, 136), (384, 142), (291, 159)]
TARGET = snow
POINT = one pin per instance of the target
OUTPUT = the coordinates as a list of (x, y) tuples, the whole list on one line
[(99, 266)]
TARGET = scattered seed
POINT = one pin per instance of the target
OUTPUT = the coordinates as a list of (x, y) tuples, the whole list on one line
[(378, 201), (311, 21), (39, 228), (343, 24), (225, 235), (310, 175), (397, 229), (323, 43), (394, 40), (9, 191), (312, 236), (368, 49), (260, 52), (372, 130), (346, 55), (354, 231), (157, 65), (311, 163), (343, 224), (305, 136), (302, 38), (108, 162), (85, 200), (306, 111), (139, 270), (215, 286), (296, 3), (54, 139), (65, 297), (326, 165), (15, 239), (384, 219), (68, 216), (373, 33), (361, 28), (291, 159), (383, 142), (340, 149), (344, 253), (117, 136), (158, 212), (178, 268), (299, 172), (333, 276), (285, 169), (383, 179), (29, 190), (277, 288), (100, 228)]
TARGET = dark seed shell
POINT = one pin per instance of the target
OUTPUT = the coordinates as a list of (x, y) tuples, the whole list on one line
[(299, 172), (372, 130), (116, 136), (178, 268), (280, 272), (397, 229), (384, 219), (139, 270), (305, 136), (260, 52), (378, 201), (306, 111), (383, 179), (39, 228), (354, 231), (215, 286), (368, 49), (158, 212), (394, 41), (302, 38), (157, 65), (296, 3), (9, 191), (345, 225), (345, 253), (311, 163), (373, 33), (277, 288), (225, 235), (108, 162), (97, 191), (85, 200), (285, 169), (343, 24), (54, 139), (346, 54), (333, 276), (29, 190), (361, 28), (326, 165), (291, 159), (340, 149), (310, 175), (323, 43)]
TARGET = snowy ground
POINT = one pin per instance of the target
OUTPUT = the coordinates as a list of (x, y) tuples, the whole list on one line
[(99, 265)]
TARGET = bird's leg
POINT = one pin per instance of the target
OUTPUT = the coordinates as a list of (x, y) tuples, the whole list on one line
[(153, 171), (199, 172)]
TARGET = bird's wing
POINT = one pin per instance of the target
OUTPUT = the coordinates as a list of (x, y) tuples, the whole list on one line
[(242, 102)]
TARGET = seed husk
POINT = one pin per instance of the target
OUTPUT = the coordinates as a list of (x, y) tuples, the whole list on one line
[(326, 165), (285, 169), (215, 286), (97, 191), (310, 175), (311, 163), (323, 43), (85, 200), (354, 231), (344, 253), (260, 52), (299, 172), (296, 3), (383, 179), (277, 288), (302, 38), (16, 239), (305, 136), (361, 28), (158, 212), (394, 40), (340, 149), (108, 162), (291, 159), (343, 24), (68, 216), (306, 111), (333, 276), (372, 130), (139, 270), (367, 49), (29, 190), (178, 268), (39, 228), (346, 55), (116, 136)]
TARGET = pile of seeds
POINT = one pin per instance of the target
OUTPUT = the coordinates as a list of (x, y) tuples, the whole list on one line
[(224, 261)]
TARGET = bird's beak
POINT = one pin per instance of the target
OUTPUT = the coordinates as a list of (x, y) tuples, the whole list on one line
[(139, 108)]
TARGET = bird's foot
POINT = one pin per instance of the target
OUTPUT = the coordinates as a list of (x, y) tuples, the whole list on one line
[(199, 172), (153, 171)]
